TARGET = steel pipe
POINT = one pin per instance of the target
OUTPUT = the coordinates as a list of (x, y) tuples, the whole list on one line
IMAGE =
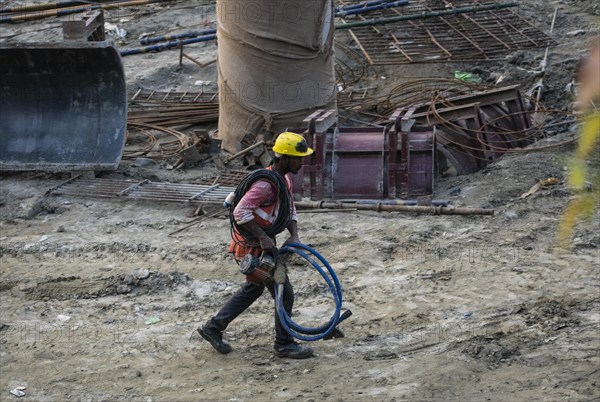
[(394, 208), (424, 15), (168, 45)]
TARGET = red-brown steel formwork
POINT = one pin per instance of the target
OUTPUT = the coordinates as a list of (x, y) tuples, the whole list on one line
[(462, 140), (366, 163), (484, 35), (401, 161), (411, 174)]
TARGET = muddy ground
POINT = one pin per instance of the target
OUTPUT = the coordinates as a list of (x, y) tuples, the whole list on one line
[(99, 303)]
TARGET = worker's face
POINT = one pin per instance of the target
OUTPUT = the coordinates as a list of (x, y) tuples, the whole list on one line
[(294, 164)]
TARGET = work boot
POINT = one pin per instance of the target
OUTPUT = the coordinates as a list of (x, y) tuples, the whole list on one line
[(215, 337), (293, 351)]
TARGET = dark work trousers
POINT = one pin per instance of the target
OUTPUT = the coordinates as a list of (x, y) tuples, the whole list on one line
[(242, 299)]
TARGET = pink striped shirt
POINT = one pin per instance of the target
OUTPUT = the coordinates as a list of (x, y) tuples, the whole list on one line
[(260, 194)]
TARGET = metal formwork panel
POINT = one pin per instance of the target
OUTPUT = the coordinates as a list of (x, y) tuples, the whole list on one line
[(357, 164), (367, 163)]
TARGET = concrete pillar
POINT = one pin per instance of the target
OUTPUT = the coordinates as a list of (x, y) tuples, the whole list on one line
[(275, 66)]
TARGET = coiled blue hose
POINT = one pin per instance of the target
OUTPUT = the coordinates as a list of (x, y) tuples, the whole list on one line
[(299, 331)]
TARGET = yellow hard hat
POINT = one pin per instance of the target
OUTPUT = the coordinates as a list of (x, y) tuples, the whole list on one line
[(291, 144)]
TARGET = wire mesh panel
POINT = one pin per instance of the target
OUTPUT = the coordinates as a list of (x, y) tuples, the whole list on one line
[(144, 190), (467, 36)]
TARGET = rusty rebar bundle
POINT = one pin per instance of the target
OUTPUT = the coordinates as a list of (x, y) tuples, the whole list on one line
[(173, 114)]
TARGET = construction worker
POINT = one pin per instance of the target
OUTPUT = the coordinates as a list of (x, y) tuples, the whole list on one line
[(261, 205)]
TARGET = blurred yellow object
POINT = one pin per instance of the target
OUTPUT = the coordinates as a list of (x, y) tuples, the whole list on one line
[(585, 203)]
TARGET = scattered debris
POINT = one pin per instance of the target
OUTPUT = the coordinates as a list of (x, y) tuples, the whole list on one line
[(152, 320), (545, 183), (466, 76), (550, 181), (141, 162), (113, 28), (18, 391), (531, 191), (141, 273)]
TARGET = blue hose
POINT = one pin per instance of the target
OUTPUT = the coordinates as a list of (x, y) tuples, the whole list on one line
[(308, 333)]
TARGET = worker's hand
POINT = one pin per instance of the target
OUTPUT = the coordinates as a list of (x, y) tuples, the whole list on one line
[(266, 243), (292, 239)]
